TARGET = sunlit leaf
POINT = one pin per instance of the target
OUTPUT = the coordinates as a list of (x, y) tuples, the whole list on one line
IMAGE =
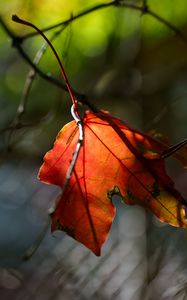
[(114, 160)]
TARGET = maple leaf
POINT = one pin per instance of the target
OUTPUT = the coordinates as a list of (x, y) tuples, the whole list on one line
[(113, 160), (98, 157)]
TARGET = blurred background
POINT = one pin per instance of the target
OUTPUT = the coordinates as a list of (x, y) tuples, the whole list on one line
[(124, 61)]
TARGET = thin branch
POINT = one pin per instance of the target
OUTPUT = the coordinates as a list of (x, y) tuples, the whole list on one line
[(16, 42), (73, 18), (33, 248), (171, 150), (30, 78), (169, 25), (15, 18), (144, 9), (16, 124)]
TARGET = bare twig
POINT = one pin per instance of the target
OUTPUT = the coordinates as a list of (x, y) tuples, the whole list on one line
[(16, 42), (28, 85), (171, 150), (73, 18), (33, 248), (144, 9), (15, 18)]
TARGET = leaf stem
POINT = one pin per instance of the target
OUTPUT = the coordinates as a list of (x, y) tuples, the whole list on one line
[(15, 18), (74, 157)]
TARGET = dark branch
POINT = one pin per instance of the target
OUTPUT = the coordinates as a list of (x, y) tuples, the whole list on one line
[(30, 78), (170, 151), (16, 124), (16, 42), (73, 18), (144, 9)]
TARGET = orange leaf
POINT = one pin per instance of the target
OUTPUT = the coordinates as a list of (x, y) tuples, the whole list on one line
[(114, 159)]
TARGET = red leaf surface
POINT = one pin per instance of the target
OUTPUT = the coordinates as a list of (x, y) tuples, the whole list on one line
[(114, 159)]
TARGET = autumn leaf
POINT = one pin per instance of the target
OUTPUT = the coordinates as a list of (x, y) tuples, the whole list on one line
[(98, 157), (113, 160)]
